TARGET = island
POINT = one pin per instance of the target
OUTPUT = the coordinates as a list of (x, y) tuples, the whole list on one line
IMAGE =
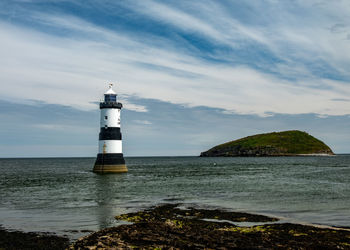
[(285, 143)]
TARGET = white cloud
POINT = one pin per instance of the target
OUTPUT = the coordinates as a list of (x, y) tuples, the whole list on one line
[(63, 127), (75, 70), (143, 122), (134, 107)]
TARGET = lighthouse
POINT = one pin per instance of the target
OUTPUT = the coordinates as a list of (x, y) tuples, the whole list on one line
[(110, 157)]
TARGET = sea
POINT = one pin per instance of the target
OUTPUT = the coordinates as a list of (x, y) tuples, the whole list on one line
[(63, 195)]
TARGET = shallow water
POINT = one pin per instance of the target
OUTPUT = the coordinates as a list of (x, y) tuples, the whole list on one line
[(62, 195)]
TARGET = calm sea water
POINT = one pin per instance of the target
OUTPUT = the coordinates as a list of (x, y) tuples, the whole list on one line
[(63, 196)]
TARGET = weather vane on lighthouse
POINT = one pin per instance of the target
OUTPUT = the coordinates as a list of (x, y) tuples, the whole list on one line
[(110, 157)]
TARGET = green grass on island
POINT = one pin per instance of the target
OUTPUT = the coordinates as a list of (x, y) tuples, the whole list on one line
[(292, 142)]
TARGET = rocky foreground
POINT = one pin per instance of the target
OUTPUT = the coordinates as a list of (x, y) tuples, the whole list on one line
[(169, 227), (19, 240)]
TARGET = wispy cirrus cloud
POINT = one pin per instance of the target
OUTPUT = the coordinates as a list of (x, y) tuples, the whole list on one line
[(258, 62)]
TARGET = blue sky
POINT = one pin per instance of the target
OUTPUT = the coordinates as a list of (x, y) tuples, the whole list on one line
[(191, 74)]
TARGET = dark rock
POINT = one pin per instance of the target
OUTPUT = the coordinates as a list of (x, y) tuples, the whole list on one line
[(168, 227), (20, 240)]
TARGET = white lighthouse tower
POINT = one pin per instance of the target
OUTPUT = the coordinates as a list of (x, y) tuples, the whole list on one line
[(110, 157)]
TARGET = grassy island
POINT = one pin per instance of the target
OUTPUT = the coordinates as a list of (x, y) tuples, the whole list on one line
[(286, 143)]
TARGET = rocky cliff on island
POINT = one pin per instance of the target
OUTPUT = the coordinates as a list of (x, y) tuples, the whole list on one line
[(285, 143)]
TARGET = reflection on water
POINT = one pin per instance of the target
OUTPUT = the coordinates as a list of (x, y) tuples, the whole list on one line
[(107, 190), (64, 196)]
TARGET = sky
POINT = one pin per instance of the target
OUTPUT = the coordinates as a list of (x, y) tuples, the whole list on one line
[(190, 74)]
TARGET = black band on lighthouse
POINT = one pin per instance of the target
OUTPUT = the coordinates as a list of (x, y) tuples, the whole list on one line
[(110, 159), (111, 105), (110, 133)]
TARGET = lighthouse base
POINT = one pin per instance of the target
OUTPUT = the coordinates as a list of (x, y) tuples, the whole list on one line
[(110, 169), (110, 163)]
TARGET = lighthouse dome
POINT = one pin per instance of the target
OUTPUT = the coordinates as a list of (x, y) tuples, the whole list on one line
[(110, 91), (110, 95)]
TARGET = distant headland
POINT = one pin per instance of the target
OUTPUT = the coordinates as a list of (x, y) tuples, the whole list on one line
[(285, 143)]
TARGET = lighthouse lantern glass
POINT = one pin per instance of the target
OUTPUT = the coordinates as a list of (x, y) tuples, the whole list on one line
[(110, 98)]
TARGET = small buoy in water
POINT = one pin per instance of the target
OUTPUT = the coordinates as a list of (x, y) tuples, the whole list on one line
[(214, 164)]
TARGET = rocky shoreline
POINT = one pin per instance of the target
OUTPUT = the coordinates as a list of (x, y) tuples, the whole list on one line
[(10, 239), (239, 151), (171, 226)]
